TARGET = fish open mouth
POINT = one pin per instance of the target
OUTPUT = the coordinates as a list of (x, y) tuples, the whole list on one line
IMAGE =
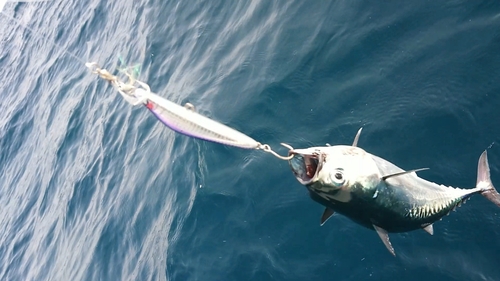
[(305, 166)]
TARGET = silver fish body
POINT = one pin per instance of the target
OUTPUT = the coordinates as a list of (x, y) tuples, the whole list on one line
[(376, 193)]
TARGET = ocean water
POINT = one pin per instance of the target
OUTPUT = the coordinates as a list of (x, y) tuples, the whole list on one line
[(92, 188)]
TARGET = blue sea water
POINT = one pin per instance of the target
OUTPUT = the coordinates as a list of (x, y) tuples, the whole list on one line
[(94, 189)]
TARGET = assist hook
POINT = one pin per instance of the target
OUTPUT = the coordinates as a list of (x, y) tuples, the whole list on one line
[(127, 90), (103, 73)]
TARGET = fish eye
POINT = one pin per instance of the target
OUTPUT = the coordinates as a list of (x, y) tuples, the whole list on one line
[(338, 178)]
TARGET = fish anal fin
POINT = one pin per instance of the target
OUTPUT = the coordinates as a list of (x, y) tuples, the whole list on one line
[(382, 233), (356, 138), (403, 173), (429, 229), (327, 213)]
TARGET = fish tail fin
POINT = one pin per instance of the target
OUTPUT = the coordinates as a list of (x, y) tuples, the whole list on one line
[(484, 183)]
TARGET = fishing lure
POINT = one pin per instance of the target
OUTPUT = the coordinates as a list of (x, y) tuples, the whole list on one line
[(182, 119)]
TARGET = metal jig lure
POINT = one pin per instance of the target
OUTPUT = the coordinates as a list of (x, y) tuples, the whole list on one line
[(182, 119)]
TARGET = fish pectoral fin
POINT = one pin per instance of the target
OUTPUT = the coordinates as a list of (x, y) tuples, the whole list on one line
[(403, 173), (382, 233), (356, 138), (327, 213), (429, 229)]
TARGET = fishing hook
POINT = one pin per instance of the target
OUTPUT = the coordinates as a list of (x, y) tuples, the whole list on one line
[(267, 148)]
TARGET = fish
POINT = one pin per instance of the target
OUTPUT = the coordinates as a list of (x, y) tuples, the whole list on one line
[(377, 194)]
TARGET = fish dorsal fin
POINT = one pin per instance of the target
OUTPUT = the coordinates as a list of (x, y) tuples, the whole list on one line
[(327, 213), (385, 238), (356, 138), (429, 229), (403, 173)]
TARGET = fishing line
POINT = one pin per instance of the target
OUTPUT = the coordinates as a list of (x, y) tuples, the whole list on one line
[(39, 36)]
